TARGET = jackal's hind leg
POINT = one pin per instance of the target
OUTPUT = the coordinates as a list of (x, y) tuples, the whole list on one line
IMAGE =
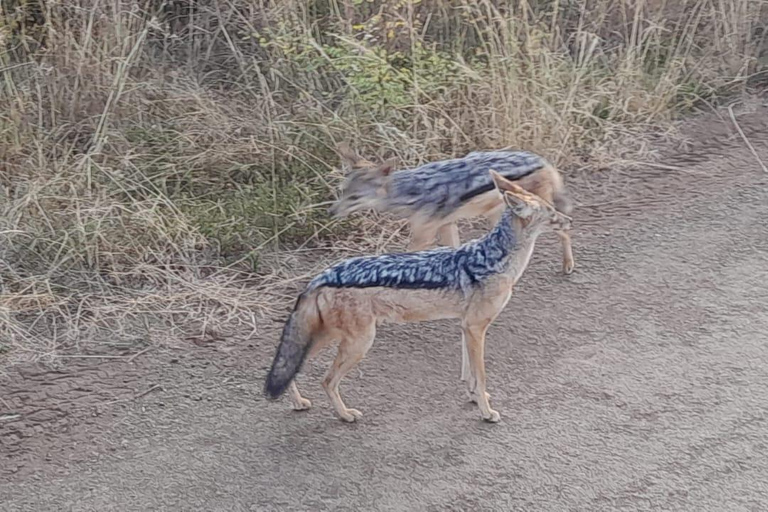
[(320, 339), (351, 352), (298, 402), (568, 263)]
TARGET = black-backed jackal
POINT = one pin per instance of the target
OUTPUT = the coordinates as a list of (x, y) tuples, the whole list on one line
[(473, 283), (436, 195)]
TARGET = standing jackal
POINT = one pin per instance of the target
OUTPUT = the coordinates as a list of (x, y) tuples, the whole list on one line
[(436, 195), (473, 283)]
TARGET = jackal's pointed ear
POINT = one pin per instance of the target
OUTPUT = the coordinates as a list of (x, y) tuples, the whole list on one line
[(502, 183), (518, 203)]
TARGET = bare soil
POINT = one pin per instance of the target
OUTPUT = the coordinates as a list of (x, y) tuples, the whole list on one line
[(638, 383)]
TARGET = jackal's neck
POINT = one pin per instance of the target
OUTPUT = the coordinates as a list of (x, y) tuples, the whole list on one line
[(510, 243), (504, 235)]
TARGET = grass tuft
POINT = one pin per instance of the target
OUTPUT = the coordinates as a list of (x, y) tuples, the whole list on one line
[(155, 155)]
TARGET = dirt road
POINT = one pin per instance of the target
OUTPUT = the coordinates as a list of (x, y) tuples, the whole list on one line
[(638, 383)]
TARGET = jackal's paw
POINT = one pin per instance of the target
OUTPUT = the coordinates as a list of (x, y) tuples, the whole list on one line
[(302, 405), (494, 417), (568, 267), (351, 415)]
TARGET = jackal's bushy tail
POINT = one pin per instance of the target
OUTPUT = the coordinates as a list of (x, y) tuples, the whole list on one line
[(294, 345)]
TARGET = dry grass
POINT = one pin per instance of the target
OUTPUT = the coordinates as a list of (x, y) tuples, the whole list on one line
[(154, 156)]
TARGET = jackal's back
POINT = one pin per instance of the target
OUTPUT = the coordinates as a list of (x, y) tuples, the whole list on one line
[(445, 268), (438, 188)]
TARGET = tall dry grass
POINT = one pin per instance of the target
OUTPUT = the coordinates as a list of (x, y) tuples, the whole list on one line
[(154, 155)]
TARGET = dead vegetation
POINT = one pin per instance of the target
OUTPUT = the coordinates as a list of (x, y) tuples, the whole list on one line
[(155, 156)]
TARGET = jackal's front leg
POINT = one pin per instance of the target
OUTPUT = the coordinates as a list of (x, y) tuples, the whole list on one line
[(466, 373), (449, 235), (422, 235), (475, 340)]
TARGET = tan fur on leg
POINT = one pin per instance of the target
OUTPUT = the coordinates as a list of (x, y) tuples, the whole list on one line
[(568, 263), (475, 336), (351, 352), (298, 402), (422, 236), (449, 235)]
